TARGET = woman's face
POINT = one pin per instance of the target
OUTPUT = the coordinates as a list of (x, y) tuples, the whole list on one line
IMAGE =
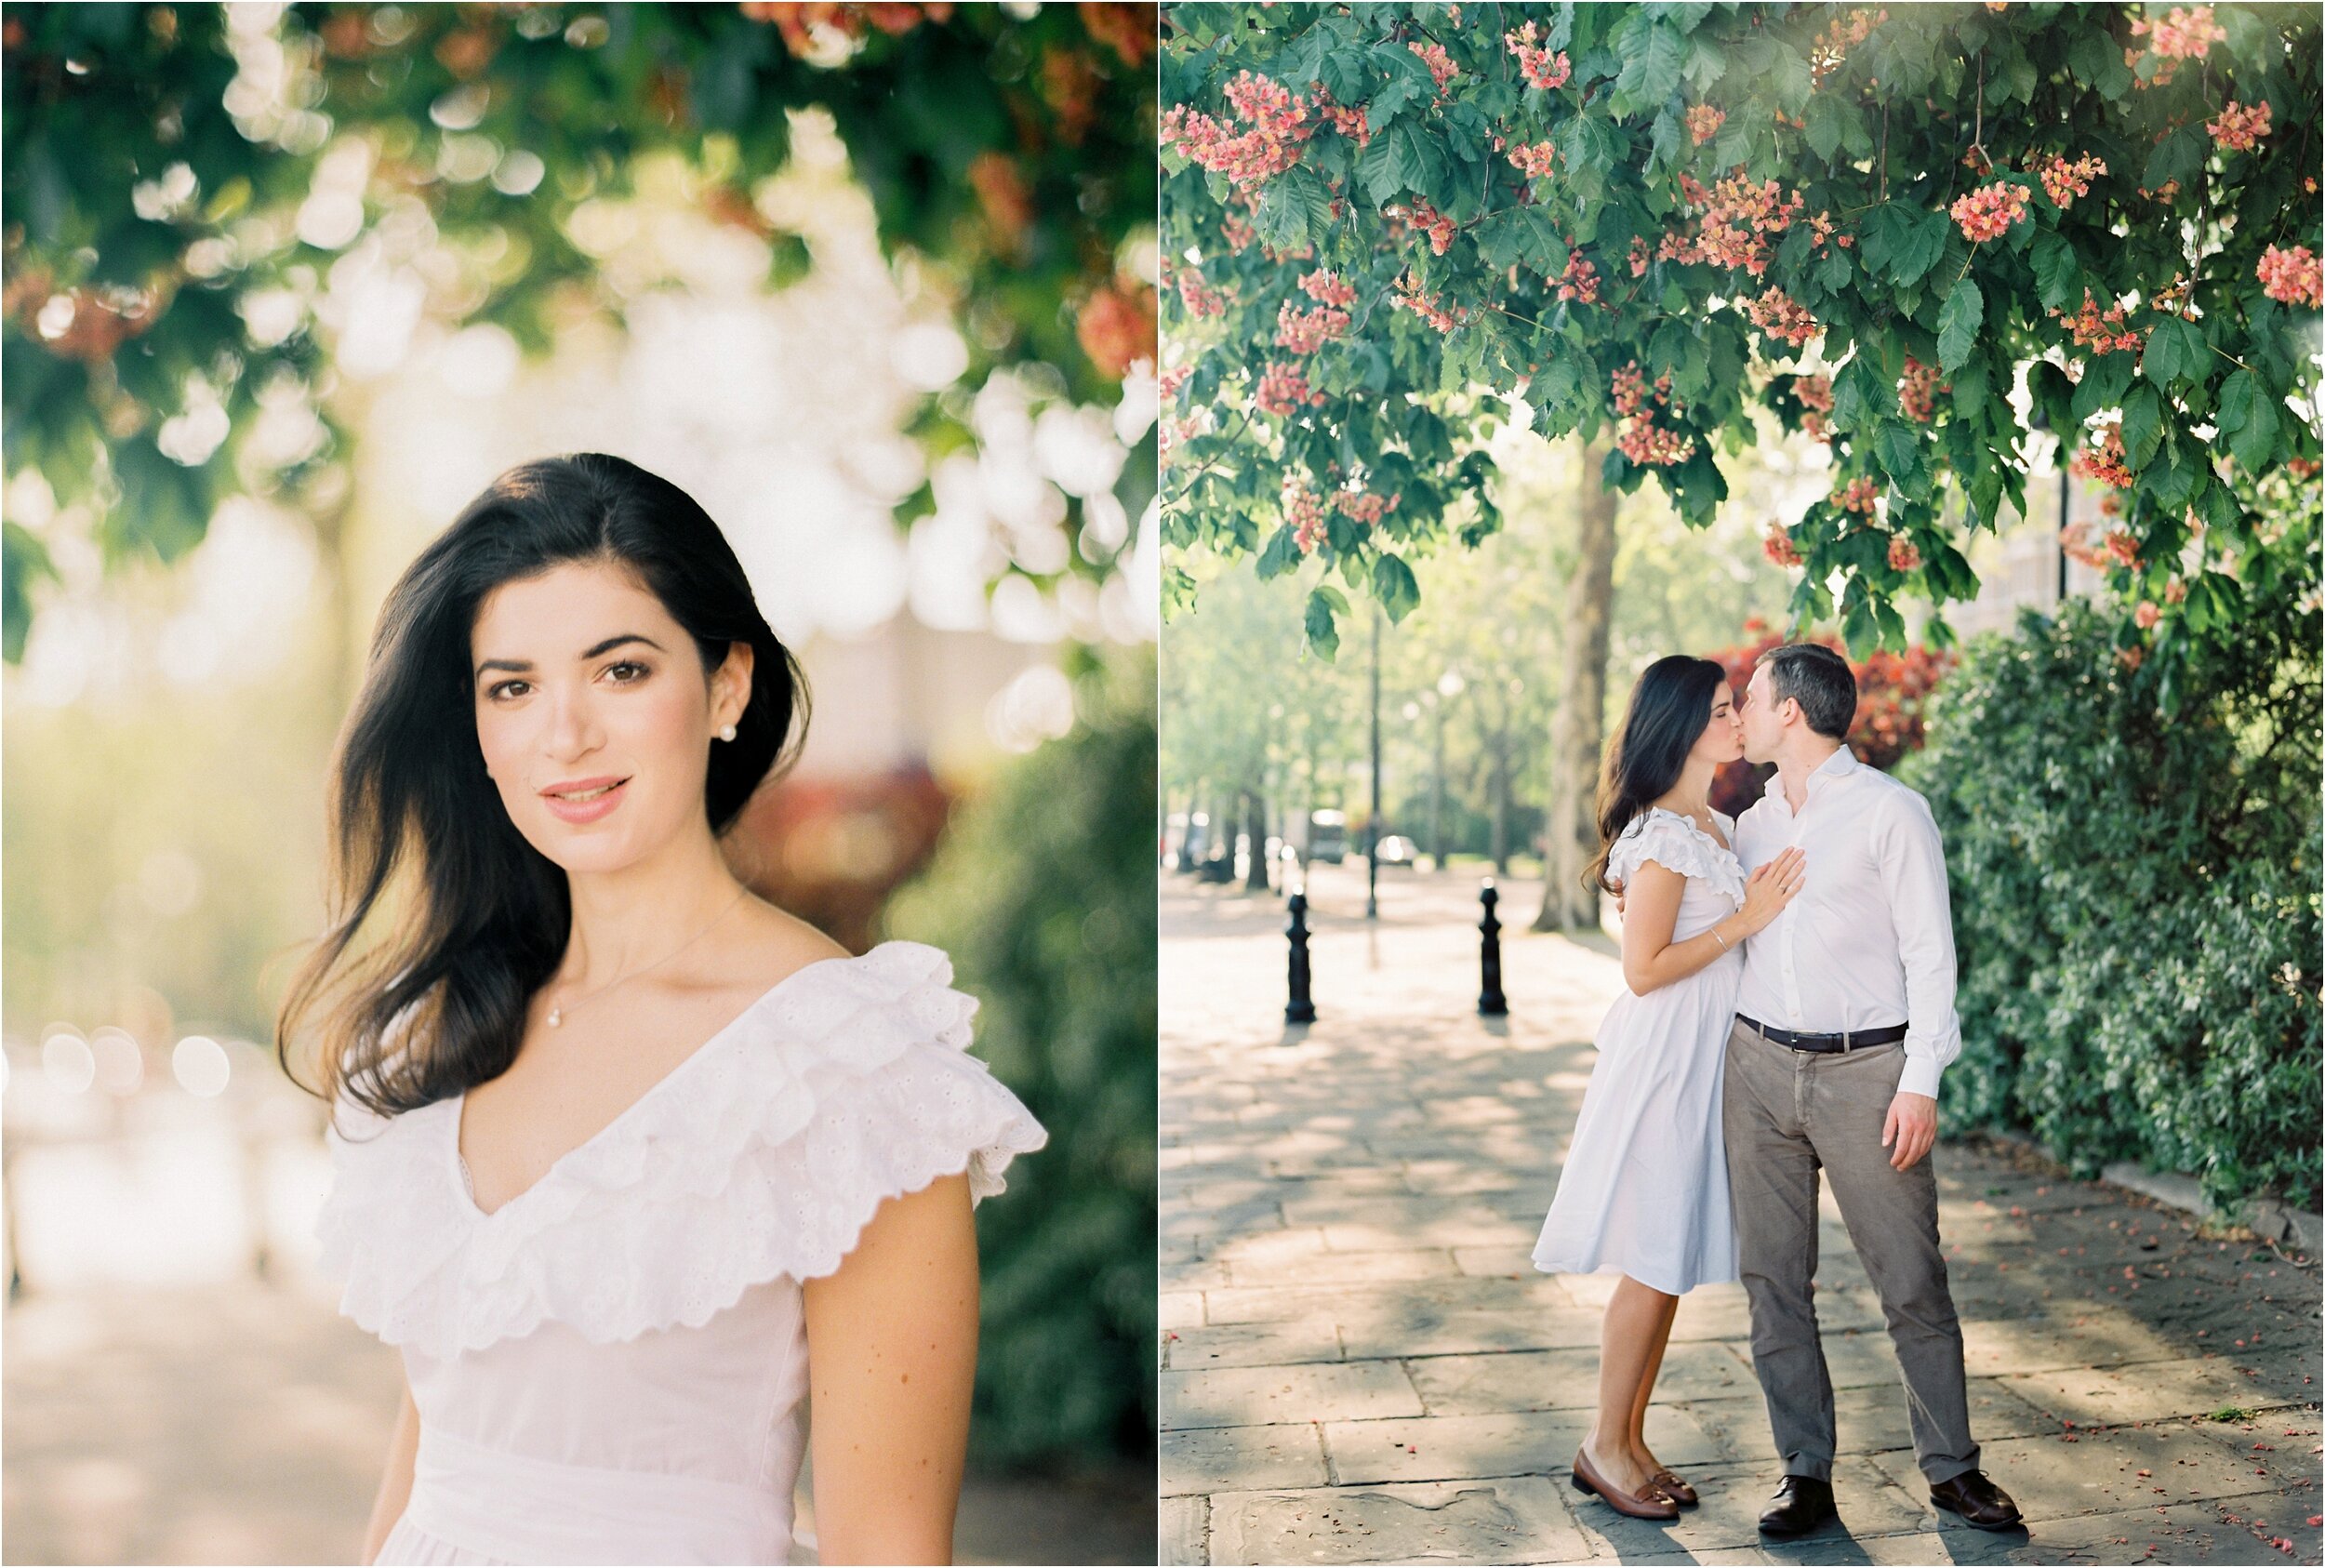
[(1722, 740), (581, 680)]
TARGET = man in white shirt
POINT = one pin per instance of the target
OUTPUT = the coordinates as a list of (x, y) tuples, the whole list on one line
[(1844, 1021)]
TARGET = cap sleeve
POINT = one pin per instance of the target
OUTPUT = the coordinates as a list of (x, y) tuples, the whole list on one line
[(1676, 845), (847, 1084)]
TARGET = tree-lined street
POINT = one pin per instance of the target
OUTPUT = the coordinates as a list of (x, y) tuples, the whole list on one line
[(1361, 1364)]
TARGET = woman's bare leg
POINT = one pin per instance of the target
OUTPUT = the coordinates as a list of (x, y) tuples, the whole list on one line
[(1631, 1345), (1636, 1432)]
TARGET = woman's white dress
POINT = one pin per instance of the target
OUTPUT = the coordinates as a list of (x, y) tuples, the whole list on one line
[(1644, 1188), (611, 1366)]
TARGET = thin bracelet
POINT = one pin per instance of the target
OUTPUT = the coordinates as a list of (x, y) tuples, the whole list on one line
[(1721, 940)]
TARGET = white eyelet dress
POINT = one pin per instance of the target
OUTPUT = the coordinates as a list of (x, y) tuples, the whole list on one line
[(1644, 1188), (610, 1366)]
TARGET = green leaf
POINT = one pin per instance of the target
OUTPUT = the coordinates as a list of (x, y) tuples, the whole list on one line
[(2237, 397), (1651, 68), (1323, 635), (2058, 275), (2254, 443), (1919, 240), (1524, 236), (1282, 554), (2143, 425), (1898, 445), (1394, 587), (1958, 321)]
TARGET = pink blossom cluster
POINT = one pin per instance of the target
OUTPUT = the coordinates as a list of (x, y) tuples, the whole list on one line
[(1327, 288), (1171, 435), (2122, 548), (2291, 277), (1821, 228), (1349, 123), (1428, 221), (1304, 510), (2174, 591), (1987, 212), (2240, 129), (1411, 296), (1639, 256), (2075, 542), (1283, 391), (1918, 390), (1304, 332), (1441, 66), (1580, 280), (1859, 494), (2103, 460), (1782, 317), (2145, 616), (1815, 393), (1238, 231), (1904, 555), (2099, 331), (1534, 160), (2183, 34), (1779, 545), (1278, 124), (1640, 440), (1364, 506), (1171, 380), (2064, 181), (1200, 297), (1846, 32), (1703, 122), (1736, 218), (1540, 67)]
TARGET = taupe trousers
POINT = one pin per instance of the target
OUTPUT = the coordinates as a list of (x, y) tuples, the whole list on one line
[(1787, 1113)]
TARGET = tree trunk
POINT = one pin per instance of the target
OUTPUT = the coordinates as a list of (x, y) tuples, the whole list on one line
[(1501, 810), (1255, 828), (1569, 831)]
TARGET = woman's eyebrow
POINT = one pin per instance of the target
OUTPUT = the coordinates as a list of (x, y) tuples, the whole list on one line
[(605, 646)]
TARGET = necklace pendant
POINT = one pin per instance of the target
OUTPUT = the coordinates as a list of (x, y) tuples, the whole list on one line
[(556, 1017)]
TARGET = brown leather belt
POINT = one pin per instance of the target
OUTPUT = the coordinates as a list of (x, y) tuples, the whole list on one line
[(1847, 1040)]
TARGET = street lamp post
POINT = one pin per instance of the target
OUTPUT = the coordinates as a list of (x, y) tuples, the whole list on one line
[(1372, 821)]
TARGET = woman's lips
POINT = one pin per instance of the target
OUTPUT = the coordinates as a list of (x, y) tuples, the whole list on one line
[(588, 809)]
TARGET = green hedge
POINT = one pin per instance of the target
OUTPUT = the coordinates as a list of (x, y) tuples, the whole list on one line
[(2136, 894), (1043, 893)]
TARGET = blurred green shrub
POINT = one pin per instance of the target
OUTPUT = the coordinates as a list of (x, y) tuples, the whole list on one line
[(1043, 893), (2136, 898)]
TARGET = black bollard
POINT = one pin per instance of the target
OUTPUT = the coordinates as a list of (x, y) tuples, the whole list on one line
[(1492, 1003), (1300, 1009)]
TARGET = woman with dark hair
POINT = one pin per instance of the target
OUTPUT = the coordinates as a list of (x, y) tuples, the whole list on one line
[(627, 1160), (1644, 1188)]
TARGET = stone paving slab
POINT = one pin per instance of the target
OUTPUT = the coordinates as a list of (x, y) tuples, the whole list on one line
[(1518, 1519), (1365, 1192)]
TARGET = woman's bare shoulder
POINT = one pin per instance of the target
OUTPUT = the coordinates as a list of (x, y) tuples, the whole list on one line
[(781, 942)]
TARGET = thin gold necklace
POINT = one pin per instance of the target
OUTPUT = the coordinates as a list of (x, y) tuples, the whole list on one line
[(557, 1011)]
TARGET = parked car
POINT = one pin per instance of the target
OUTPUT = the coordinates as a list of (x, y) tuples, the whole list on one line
[(1328, 836), (1395, 851)]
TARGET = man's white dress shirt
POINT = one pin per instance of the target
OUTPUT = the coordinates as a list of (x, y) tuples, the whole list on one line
[(1869, 941)]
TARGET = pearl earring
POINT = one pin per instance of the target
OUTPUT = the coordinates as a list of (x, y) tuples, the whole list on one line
[(727, 733)]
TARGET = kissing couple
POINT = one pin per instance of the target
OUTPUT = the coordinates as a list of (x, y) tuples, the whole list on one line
[(1791, 1005)]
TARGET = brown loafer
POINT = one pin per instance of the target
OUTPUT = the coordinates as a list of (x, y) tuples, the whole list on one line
[(1977, 1500), (1674, 1488), (1649, 1503)]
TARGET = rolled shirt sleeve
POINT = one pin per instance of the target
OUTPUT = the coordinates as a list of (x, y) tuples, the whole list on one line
[(1912, 860)]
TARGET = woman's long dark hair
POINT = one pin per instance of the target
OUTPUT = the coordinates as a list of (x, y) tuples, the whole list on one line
[(439, 1004), (1665, 718)]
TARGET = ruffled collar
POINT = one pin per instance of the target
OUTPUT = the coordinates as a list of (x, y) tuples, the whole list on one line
[(708, 1183)]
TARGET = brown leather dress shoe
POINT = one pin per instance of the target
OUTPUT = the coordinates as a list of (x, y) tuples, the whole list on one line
[(1674, 1488), (1648, 1502), (1977, 1500), (1802, 1503)]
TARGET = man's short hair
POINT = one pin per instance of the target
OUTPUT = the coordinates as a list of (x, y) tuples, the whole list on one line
[(1817, 678)]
